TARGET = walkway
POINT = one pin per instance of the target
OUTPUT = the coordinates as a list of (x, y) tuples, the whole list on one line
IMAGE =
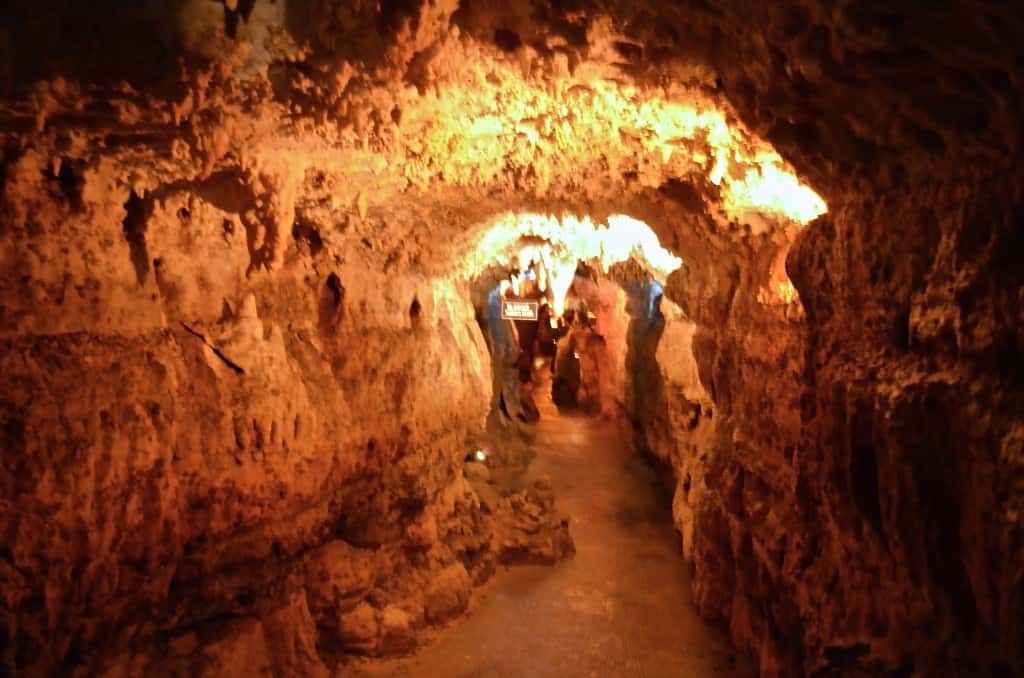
[(620, 608)]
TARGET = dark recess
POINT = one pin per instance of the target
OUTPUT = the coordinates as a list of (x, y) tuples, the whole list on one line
[(414, 313), (630, 52), (864, 470), (304, 232), (332, 303), (138, 212), (232, 16), (336, 289), (507, 40), (392, 12), (845, 657), (69, 182)]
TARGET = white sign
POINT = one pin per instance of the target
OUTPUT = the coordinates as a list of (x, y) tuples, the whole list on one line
[(514, 309)]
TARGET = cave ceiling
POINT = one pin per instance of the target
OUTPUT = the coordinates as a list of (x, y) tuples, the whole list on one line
[(367, 121)]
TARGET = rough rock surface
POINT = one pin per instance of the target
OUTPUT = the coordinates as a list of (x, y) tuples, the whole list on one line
[(237, 369), (876, 525)]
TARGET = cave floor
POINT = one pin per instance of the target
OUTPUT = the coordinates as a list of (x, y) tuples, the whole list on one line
[(620, 607)]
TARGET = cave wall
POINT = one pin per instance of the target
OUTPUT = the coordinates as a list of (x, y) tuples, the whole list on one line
[(891, 537), (909, 457), (718, 382), (173, 419)]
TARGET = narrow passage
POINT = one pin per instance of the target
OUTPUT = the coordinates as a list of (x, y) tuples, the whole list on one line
[(619, 608)]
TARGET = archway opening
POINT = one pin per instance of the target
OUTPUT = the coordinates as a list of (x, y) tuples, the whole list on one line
[(565, 304)]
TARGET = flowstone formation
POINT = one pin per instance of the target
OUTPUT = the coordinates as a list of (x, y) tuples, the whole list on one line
[(240, 368)]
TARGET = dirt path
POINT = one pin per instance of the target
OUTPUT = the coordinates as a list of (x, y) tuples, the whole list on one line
[(619, 608)]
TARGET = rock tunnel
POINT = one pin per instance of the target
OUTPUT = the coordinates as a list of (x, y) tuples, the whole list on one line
[(246, 361)]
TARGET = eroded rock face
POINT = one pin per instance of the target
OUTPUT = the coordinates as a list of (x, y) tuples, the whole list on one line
[(237, 376), (145, 463), (871, 521)]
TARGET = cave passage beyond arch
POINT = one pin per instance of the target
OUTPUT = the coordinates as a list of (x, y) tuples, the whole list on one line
[(583, 355)]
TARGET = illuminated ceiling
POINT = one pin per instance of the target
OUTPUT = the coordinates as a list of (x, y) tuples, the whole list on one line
[(557, 245), (479, 116)]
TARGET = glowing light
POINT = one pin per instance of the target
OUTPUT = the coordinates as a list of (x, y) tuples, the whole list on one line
[(566, 242), (779, 293), (779, 289), (561, 274), (770, 188), (486, 119), (480, 455), (786, 292), (631, 237)]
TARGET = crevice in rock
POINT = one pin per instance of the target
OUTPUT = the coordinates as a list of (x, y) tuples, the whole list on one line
[(332, 303), (69, 182), (308, 234), (235, 367), (137, 213), (414, 314), (864, 470), (235, 12)]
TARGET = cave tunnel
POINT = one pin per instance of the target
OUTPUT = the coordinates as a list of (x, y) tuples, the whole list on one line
[(559, 326), (762, 411)]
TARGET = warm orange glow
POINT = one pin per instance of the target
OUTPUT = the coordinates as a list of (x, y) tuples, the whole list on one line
[(558, 245), (779, 289), (768, 188), (786, 292), (486, 118)]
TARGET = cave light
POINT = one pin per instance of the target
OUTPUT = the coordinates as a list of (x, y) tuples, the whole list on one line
[(563, 243), (488, 116), (769, 187)]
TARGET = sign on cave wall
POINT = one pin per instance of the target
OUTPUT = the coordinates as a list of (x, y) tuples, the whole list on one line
[(515, 309)]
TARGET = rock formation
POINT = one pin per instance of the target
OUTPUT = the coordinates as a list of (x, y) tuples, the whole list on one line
[(240, 366)]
